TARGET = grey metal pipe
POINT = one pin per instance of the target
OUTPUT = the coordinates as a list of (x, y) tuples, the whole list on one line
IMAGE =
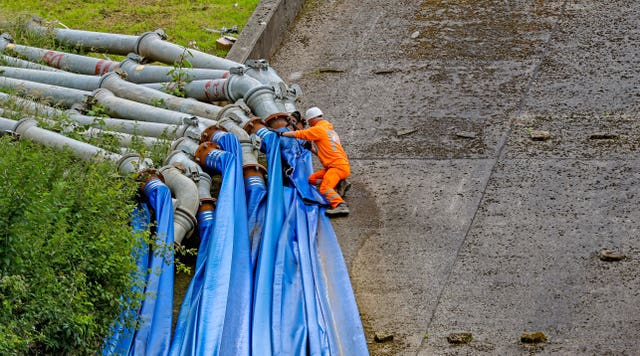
[(132, 163), (249, 150), (186, 193), (59, 78), (21, 63), (204, 187), (128, 109), (143, 73), (92, 41), (151, 129), (262, 71), (61, 60), (139, 93), (125, 139), (152, 45), (28, 128), (58, 95), (186, 145)]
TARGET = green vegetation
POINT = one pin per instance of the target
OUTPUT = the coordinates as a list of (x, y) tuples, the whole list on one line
[(66, 242), (183, 21), (66, 249)]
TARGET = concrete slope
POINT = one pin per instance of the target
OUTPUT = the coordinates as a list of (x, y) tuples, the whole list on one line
[(460, 221)]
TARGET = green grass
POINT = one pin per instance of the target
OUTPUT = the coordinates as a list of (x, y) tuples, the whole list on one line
[(183, 21)]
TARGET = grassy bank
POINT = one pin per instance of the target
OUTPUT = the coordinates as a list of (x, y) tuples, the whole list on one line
[(183, 21)]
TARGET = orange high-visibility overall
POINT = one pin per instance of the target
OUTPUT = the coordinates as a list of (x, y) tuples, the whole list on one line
[(331, 155)]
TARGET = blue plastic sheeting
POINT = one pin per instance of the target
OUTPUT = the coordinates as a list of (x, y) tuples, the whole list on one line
[(338, 304), (153, 335), (263, 334), (314, 308), (122, 334), (256, 192), (218, 322), (183, 343), (299, 167)]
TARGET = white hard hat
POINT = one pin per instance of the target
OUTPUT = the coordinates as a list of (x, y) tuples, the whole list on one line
[(313, 113)]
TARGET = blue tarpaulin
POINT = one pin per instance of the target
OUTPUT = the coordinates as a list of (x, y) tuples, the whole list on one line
[(218, 321), (156, 269)]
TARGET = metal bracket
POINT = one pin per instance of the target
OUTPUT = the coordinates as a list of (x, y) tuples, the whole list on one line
[(256, 141), (192, 173), (14, 135), (191, 121)]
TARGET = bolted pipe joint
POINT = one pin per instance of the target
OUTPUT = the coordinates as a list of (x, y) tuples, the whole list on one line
[(200, 156), (262, 71), (133, 163), (186, 145), (149, 37), (207, 202), (6, 40), (180, 159), (183, 224)]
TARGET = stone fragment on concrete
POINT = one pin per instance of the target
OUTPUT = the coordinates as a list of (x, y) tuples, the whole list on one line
[(415, 34), (459, 338), (466, 134), (610, 256), (403, 132), (382, 337), (534, 337), (603, 136), (540, 135)]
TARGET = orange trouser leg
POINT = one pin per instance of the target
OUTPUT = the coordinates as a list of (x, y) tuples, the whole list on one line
[(329, 181), (316, 176)]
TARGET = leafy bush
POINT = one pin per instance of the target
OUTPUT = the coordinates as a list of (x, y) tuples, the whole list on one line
[(65, 255)]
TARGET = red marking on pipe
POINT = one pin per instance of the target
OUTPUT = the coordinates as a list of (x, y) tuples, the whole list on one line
[(105, 66), (206, 90), (53, 59), (225, 75)]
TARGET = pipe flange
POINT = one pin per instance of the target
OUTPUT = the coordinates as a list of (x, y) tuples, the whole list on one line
[(208, 133), (24, 124), (255, 169), (203, 150), (207, 204), (159, 33), (147, 175), (254, 125), (280, 115)]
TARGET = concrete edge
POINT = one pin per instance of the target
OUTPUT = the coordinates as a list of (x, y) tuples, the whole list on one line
[(264, 31)]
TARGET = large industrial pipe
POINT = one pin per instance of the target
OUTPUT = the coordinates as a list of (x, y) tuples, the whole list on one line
[(61, 60), (190, 128), (140, 73), (187, 202), (91, 41), (21, 63), (128, 109), (139, 93), (57, 95), (151, 129), (152, 45), (59, 78), (28, 128)]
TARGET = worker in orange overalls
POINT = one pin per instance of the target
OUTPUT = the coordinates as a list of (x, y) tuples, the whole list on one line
[(336, 168)]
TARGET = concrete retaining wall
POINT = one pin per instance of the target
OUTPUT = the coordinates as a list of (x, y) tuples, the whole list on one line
[(264, 31)]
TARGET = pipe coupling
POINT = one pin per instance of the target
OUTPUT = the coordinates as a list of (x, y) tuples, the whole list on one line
[(200, 156), (183, 224)]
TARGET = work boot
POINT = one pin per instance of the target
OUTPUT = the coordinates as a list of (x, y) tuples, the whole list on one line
[(340, 210), (343, 187)]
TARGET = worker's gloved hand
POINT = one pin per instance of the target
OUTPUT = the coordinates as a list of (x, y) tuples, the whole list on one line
[(307, 145)]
